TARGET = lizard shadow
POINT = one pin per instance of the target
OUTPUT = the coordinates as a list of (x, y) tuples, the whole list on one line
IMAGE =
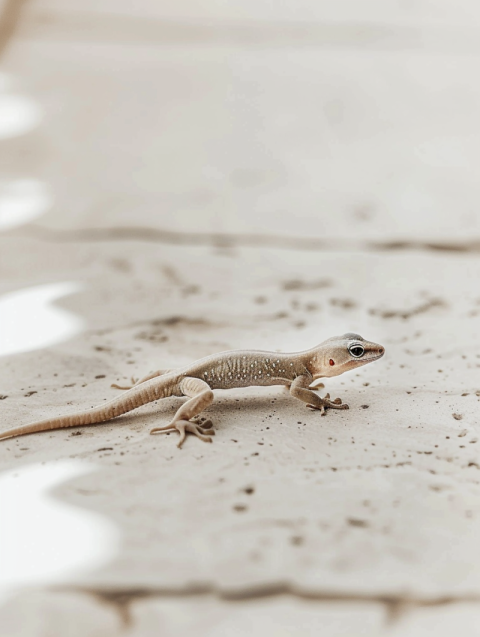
[(222, 411)]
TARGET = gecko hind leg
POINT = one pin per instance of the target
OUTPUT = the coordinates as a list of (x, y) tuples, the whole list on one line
[(201, 396)]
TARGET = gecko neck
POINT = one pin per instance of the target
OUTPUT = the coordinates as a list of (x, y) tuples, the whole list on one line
[(316, 361)]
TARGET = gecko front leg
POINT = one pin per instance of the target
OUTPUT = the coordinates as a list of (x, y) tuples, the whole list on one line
[(201, 396), (317, 387), (300, 389)]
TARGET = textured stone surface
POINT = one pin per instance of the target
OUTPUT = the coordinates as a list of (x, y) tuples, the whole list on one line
[(441, 621), (44, 614), (282, 616), (383, 497), (366, 520)]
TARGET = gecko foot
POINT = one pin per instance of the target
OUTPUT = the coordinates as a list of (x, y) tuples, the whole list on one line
[(182, 426), (204, 423), (326, 403)]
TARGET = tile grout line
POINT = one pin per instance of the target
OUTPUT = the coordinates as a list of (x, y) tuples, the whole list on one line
[(246, 240)]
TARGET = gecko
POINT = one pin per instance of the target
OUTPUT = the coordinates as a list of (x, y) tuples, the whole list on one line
[(298, 372)]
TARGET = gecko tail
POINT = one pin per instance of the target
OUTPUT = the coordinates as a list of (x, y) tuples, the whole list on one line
[(136, 397), (50, 424)]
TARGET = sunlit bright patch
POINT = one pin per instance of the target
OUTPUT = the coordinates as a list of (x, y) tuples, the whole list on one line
[(18, 115), (21, 201), (42, 538), (29, 319)]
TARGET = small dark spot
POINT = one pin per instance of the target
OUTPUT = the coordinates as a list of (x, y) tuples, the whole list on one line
[(122, 265), (76, 433), (2, 396), (105, 449), (298, 284), (364, 406), (364, 213), (249, 490), (30, 393), (100, 376), (346, 304), (356, 522), (297, 540), (240, 508), (457, 416), (190, 289)]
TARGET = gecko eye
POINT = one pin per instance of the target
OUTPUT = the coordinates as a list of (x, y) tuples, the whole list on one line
[(357, 351)]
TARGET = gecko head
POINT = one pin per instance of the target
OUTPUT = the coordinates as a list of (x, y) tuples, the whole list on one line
[(340, 354)]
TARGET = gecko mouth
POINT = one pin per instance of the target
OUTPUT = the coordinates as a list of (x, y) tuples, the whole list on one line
[(375, 357)]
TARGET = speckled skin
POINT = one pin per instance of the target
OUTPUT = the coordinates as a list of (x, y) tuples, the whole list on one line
[(227, 370), (246, 368)]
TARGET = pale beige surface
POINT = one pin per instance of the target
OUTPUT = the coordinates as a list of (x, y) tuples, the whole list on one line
[(42, 614), (211, 132), (363, 522)]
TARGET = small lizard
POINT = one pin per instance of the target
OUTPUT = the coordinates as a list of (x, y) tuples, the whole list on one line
[(237, 368)]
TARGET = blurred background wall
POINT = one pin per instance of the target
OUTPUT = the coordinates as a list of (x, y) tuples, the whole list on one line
[(345, 120)]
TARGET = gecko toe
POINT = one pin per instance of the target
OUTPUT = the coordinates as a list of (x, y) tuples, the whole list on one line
[(186, 426), (335, 405), (162, 430), (197, 431), (205, 423)]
